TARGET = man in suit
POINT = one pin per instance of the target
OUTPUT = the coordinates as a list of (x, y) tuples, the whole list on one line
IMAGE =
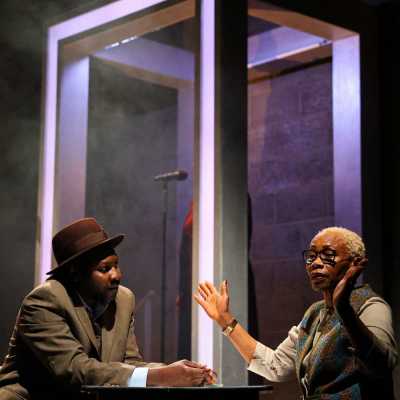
[(77, 328)]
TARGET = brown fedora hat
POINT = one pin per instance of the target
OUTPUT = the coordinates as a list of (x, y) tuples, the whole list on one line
[(79, 238)]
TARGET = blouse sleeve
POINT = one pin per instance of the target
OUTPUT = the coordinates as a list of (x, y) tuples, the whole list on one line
[(276, 365)]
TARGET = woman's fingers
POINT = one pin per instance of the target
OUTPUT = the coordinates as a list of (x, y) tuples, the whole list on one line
[(221, 288), (224, 288), (202, 293), (210, 287), (205, 288), (199, 300), (355, 272)]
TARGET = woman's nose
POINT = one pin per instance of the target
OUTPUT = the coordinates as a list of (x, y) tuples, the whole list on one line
[(317, 263)]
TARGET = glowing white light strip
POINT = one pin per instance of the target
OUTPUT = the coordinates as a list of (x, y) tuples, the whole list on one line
[(206, 197), (73, 26), (48, 161)]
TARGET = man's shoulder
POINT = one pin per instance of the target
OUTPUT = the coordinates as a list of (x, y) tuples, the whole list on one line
[(52, 294), (48, 289), (126, 291), (45, 299), (125, 295)]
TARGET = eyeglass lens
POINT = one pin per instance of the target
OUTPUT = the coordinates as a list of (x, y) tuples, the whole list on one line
[(325, 255)]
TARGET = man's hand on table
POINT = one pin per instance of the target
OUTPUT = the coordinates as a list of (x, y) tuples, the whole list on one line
[(181, 373)]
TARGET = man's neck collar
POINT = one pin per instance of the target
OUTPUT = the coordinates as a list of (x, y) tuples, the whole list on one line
[(95, 311)]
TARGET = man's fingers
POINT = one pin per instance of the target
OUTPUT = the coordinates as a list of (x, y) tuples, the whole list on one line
[(198, 380), (196, 372), (211, 376), (194, 364)]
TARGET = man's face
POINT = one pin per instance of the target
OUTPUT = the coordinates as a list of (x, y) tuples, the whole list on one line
[(331, 262), (99, 285)]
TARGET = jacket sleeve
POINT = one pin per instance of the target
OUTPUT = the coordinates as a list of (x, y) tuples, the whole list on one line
[(376, 315), (44, 329)]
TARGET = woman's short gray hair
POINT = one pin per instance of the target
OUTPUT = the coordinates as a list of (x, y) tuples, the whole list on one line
[(354, 243)]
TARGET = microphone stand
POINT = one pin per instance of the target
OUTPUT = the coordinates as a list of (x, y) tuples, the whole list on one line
[(165, 178), (164, 268)]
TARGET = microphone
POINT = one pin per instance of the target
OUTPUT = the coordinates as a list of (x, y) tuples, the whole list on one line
[(178, 175)]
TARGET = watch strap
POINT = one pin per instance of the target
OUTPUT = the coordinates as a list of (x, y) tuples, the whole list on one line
[(230, 327)]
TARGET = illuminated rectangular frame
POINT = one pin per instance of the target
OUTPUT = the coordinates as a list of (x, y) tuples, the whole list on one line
[(203, 332), (85, 22)]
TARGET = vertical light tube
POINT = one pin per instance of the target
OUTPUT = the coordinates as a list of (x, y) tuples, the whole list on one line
[(206, 173), (347, 132), (46, 192)]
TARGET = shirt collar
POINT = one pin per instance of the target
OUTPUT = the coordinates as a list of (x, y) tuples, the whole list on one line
[(95, 312)]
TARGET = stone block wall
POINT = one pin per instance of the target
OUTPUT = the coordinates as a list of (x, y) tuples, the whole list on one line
[(290, 180)]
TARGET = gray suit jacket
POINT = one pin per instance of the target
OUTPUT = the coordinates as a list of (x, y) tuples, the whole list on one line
[(53, 347)]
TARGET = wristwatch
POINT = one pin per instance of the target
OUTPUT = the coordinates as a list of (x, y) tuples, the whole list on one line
[(230, 327)]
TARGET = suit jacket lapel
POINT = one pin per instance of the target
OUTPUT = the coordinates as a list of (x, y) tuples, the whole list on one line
[(87, 325), (107, 323), (108, 328)]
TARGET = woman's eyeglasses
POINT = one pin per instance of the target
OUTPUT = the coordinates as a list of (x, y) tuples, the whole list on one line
[(326, 255)]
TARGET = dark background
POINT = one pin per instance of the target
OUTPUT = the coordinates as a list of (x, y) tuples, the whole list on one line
[(22, 40)]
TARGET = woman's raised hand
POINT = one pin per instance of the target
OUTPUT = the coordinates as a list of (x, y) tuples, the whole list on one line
[(215, 303)]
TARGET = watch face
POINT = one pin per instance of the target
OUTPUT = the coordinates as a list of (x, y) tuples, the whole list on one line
[(228, 330)]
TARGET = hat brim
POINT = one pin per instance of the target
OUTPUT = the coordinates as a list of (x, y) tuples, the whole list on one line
[(110, 242)]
